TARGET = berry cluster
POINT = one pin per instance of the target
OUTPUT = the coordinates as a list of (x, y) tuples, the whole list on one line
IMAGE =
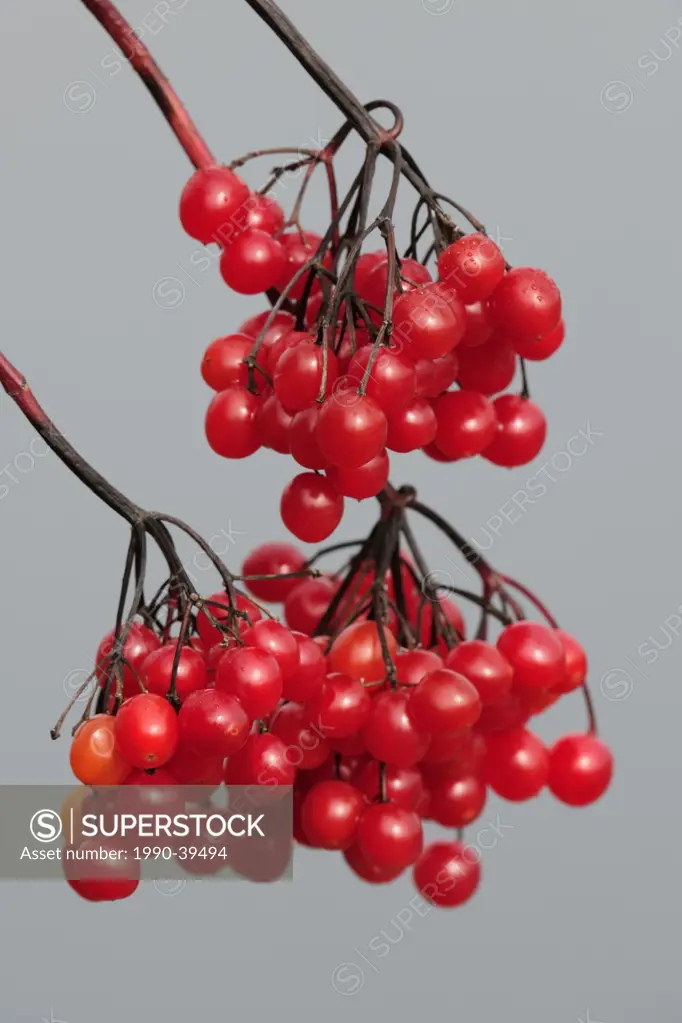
[(410, 362)]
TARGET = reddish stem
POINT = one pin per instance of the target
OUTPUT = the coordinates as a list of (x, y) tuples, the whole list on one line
[(141, 60)]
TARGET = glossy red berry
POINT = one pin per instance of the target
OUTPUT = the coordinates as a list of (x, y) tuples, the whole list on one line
[(412, 665), (516, 764), (457, 801), (307, 748), (157, 671), (307, 603), (473, 266), (299, 251), (444, 702), (373, 287), (272, 425), (390, 836), (331, 814), (275, 639), (465, 423), (370, 872), (252, 262), (263, 213), (425, 325), (146, 730), (414, 426), (308, 679), (526, 304), (580, 769), (447, 873), (391, 734), (576, 663), (273, 559), (404, 785), (537, 349), (303, 439), (223, 361), (434, 376), (231, 423), (217, 606), (340, 708), (140, 643), (311, 507), (485, 667), (213, 724), (520, 434), (362, 481), (357, 652), (299, 374), (253, 677), (210, 202), (263, 760), (479, 325), (489, 367), (351, 431), (392, 379), (536, 655)]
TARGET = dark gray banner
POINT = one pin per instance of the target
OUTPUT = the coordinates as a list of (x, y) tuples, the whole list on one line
[(50, 832)]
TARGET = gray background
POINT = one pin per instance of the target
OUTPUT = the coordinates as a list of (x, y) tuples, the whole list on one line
[(512, 109)]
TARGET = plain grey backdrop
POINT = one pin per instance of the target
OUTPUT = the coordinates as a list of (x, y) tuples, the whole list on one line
[(559, 125)]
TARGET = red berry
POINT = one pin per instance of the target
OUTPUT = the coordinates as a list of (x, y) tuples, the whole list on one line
[(272, 425), (157, 671), (444, 702), (413, 427), (374, 285), (253, 677), (108, 873), (412, 665), (311, 507), (211, 634), (263, 760), (275, 639), (303, 439), (308, 679), (392, 379), (520, 434), (370, 872), (465, 423), (357, 652), (307, 749), (282, 323), (307, 603), (526, 304), (363, 481), (213, 724), (447, 873), (341, 707), (231, 422), (146, 730), (488, 368), (298, 251), (273, 559), (264, 213), (252, 262), (473, 266), (485, 667), (516, 764), (434, 376), (331, 814), (580, 769), (390, 836), (352, 432), (536, 655), (537, 349), (210, 202), (140, 643), (391, 734), (223, 361), (299, 373), (576, 663), (425, 325), (479, 325), (457, 801)]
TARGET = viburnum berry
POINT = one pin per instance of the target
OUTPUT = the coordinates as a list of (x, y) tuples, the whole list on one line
[(279, 559), (275, 639), (299, 250), (263, 760), (414, 426), (272, 425), (210, 633), (253, 677), (425, 326), (94, 756), (299, 374), (520, 434), (231, 422), (506, 713), (447, 873), (308, 679), (434, 376), (146, 730), (390, 836), (223, 361), (362, 481), (488, 368), (311, 507), (576, 663), (580, 769), (213, 724), (331, 814), (364, 266), (157, 671), (210, 201), (303, 439), (444, 701), (282, 323), (412, 665), (537, 349), (485, 667), (351, 432), (307, 749), (357, 652), (191, 768), (391, 734), (372, 287), (307, 603), (139, 643), (516, 764), (526, 304), (108, 874), (404, 785), (479, 325), (373, 873), (473, 266), (465, 423), (263, 213), (536, 655), (392, 379), (457, 801), (341, 707), (253, 262)]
